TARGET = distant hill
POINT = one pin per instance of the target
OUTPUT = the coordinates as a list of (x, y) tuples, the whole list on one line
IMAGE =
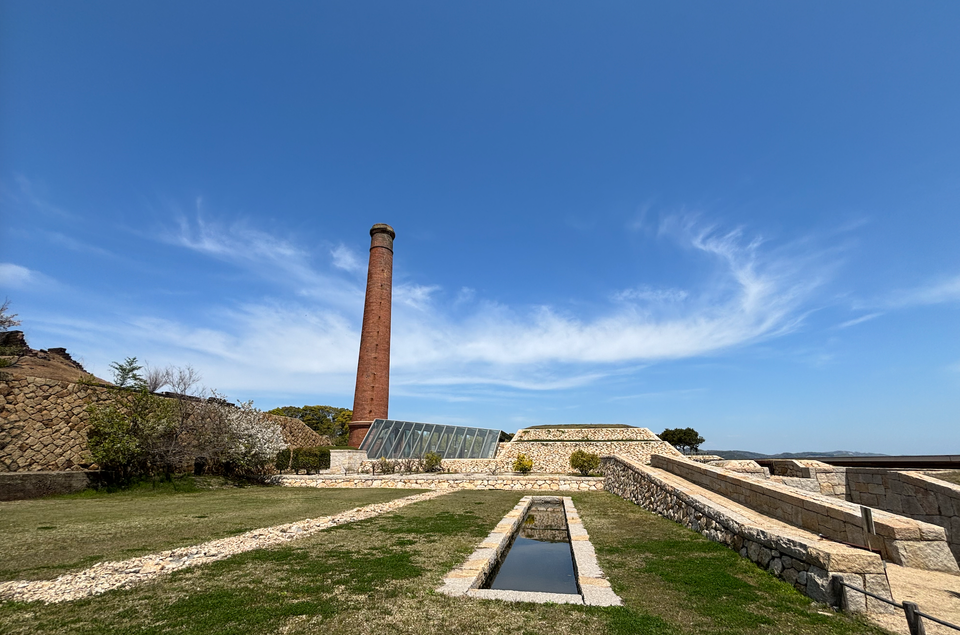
[(742, 455)]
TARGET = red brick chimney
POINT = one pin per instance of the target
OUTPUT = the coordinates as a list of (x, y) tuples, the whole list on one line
[(372, 396)]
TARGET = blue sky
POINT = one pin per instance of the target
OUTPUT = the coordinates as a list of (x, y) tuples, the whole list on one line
[(742, 217)]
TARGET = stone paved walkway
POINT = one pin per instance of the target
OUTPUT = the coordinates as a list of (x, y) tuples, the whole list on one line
[(107, 576), (935, 593)]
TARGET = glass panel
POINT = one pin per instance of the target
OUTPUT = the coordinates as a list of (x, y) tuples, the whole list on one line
[(490, 444), (383, 441), (402, 429), (410, 442), (393, 439), (375, 436), (456, 444), (468, 447)]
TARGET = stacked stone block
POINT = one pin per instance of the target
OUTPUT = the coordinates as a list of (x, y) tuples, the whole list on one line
[(44, 422), (901, 540), (797, 556), (913, 494)]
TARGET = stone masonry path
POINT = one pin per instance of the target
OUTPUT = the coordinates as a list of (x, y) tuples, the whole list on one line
[(935, 593), (107, 576)]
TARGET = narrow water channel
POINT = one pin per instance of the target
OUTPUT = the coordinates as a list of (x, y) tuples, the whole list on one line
[(540, 558)]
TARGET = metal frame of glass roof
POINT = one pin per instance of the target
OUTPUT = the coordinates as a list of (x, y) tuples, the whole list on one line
[(391, 439)]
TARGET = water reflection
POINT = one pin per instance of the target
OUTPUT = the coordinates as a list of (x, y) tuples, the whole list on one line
[(540, 558)]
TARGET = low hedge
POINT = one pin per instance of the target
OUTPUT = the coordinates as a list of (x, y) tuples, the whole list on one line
[(310, 460)]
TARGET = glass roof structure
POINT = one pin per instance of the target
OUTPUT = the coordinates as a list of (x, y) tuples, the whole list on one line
[(392, 439)]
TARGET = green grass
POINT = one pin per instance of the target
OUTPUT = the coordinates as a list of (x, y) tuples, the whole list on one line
[(379, 576), (44, 538)]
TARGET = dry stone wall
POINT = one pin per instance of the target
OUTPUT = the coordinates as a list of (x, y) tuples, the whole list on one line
[(912, 494), (552, 483), (43, 424), (796, 556), (809, 475), (902, 540)]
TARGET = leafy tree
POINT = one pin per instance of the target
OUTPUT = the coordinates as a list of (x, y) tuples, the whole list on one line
[(125, 437), (686, 440), (327, 420), (125, 374)]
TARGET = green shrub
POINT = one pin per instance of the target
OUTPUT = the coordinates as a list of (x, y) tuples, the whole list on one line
[(584, 462), (432, 462), (309, 459), (385, 466), (283, 460), (523, 464)]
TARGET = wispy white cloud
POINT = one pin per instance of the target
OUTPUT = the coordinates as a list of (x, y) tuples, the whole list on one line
[(27, 193), (344, 258), (415, 296), (265, 255), (752, 292), (18, 277), (859, 320), (646, 293), (79, 246), (936, 292), (685, 392)]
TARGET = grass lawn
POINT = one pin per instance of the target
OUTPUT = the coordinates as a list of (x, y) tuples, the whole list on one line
[(379, 575), (46, 537)]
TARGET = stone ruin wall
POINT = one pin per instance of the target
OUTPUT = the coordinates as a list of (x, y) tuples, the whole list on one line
[(43, 424)]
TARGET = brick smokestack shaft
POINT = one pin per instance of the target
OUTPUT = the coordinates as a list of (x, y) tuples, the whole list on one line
[(372, 396)]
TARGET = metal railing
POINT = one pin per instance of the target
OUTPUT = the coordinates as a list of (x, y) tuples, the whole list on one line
[(910, 610)]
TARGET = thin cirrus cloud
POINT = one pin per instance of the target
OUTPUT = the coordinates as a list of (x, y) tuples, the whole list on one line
[(754, 293), (938, 292), (15, 276)]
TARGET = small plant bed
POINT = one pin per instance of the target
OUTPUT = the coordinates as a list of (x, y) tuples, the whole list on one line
[(43, 538), (379, 576)]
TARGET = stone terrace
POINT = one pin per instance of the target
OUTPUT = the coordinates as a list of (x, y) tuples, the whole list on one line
[(902, 540)]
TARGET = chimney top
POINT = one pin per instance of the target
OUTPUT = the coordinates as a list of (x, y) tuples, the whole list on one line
[(383, 228)]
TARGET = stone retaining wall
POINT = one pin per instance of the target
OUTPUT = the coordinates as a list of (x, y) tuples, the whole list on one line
[(911, 494), (809, 475), (23, 485), (43, 424), (798, 557), (901, 540), (553, 483)]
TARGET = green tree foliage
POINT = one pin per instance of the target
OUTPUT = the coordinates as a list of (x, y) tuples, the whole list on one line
[(327, 420), (124, 437), (584, 462), (125, 373), (142, 434), (684, 439)]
